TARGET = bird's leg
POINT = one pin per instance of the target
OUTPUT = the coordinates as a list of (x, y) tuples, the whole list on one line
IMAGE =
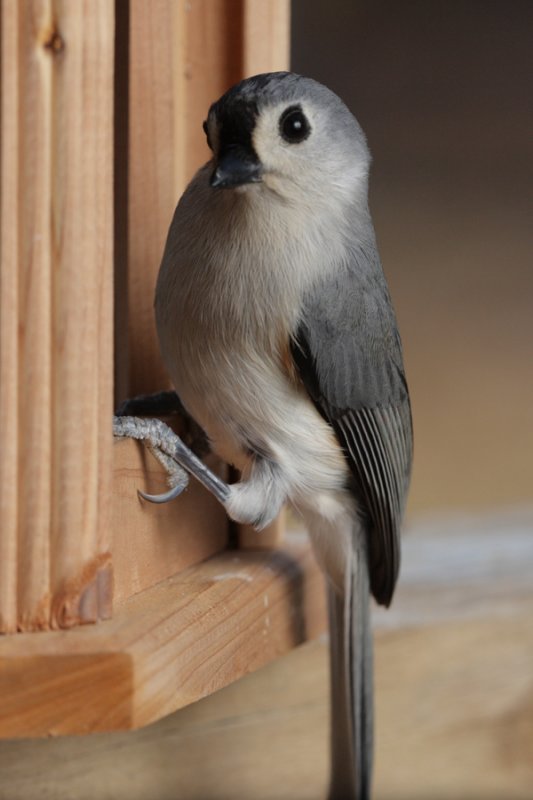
[(160, 404), (256, 500), (175, 456), (153, 433)]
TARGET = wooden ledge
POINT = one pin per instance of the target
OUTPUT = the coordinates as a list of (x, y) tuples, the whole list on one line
[(165, 647)]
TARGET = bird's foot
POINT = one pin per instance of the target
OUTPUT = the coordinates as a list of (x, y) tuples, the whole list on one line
[(165, 404), (173, 454), (255, 501)]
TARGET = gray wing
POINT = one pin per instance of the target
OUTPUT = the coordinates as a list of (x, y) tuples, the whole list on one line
[(348, 353)]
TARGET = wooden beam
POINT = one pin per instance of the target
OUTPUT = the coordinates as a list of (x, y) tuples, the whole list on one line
[(154, 92), (83, 306), (9, 317), (56, 351), (454, 697), (165, 647)]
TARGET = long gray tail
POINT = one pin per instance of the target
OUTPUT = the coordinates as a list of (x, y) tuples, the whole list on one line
[(351, 682)]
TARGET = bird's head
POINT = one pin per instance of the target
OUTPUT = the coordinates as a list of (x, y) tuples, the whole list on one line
[(287, 134)]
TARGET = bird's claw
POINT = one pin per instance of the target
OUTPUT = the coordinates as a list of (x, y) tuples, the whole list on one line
[(164, 497), (159, 439), (173, 454)]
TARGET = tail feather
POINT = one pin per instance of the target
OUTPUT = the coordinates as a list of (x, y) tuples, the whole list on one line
[(351, 671)]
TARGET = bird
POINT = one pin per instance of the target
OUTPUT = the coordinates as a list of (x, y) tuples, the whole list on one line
[(277, 329)]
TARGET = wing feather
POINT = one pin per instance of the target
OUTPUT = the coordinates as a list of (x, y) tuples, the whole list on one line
[(379, 454), (354, 374)]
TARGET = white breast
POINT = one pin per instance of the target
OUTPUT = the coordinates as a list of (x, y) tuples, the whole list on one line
[(229, 293)]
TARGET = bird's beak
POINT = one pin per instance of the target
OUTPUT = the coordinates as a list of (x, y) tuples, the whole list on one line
[(235, 167)]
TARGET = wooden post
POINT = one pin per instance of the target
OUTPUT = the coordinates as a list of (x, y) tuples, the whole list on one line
[(56, 312), (9, 343), (58, 223), (197, 57)]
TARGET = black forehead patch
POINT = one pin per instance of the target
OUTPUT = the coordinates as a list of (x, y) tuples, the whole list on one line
[(237, 110), (236, 117)]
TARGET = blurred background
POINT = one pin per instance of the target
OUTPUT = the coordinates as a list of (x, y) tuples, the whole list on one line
[(444, 92)]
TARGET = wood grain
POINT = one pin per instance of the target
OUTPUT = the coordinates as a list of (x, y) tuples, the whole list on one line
[(56, 358), (166, 647), (183, 55), (266, 39), (26, 266), (9, 318), (454, 698), (211, 63), (153, 190), (83, 295), (35, 362), (153, 542)]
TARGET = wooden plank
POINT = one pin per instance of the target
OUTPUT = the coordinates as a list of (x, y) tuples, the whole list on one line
[(212, 62), (83, 294), (153, 542), (454, 698), (267, 734), (266, 39), (9, 320), (153, 189), (26, 268), (35, 267), (165, 647), (56, 358), (183, 55)]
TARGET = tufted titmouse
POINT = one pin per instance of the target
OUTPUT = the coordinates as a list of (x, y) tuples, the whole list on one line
[(278, 332)]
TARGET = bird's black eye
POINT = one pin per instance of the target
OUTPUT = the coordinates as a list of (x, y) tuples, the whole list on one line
[(294, 125), (206, 131)]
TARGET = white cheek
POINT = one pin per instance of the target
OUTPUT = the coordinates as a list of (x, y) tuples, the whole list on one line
[(297, 167), (267, 142), (275, 154)]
